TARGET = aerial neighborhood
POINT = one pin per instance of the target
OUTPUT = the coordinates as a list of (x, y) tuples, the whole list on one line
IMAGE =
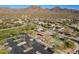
[(37, 30)]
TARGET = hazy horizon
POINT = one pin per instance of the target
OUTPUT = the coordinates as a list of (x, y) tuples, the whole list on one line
[(43, 6)]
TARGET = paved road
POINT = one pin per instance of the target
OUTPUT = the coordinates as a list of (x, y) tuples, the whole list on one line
[(36, 47), (15, 48), (76, 39)]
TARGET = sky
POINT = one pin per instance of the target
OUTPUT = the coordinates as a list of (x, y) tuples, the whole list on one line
[(43, 6)]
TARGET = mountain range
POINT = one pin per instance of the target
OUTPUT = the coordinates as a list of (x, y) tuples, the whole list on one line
[(37, 9)]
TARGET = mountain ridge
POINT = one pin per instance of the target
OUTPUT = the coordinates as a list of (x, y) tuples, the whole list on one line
[(37, 9)]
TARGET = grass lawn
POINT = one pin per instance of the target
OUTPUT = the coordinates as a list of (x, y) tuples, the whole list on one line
[(16, 31), (3, 52)]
